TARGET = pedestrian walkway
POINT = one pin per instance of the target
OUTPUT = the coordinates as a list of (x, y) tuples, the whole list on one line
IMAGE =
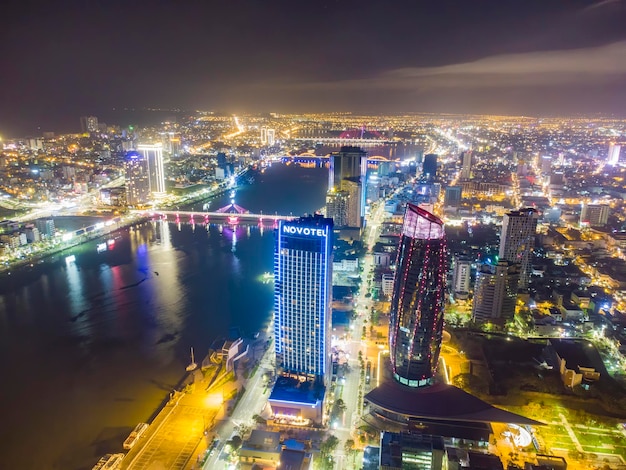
[(177, 431)]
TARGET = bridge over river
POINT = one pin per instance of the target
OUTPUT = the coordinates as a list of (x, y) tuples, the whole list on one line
[(232, 214)]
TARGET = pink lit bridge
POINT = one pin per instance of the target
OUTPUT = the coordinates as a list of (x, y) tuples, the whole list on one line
[(232, 214)]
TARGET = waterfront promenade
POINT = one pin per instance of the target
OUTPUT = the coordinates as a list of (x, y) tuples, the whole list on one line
[(182, 431)]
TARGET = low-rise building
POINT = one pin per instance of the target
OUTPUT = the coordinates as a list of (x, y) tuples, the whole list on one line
[(407, 450), (261, 448), (572, 362)]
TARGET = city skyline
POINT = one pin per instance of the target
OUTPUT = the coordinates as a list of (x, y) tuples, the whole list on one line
[(536, 58), (129, 287)]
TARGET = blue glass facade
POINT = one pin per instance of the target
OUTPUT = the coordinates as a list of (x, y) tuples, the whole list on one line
[(302, 296)]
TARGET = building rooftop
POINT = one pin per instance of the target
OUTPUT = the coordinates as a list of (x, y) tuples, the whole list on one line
[(289, 389), (292, 459), (262, 440), (439, 402)]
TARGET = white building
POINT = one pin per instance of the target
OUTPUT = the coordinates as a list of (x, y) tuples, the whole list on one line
[(153, 153), (613, 156), (387, 284), (137, 180), (268, 136), (461, 277)]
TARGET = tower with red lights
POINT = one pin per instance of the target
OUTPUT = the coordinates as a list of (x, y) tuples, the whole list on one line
[(418, 299)]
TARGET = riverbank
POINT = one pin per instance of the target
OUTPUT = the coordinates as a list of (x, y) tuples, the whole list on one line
[(40, 257), (127, 221)]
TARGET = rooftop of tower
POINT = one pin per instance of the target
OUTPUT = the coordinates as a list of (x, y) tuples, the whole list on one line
[(419, 223)]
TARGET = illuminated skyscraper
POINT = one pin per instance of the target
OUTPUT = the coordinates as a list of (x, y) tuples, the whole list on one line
[(137, 181), (337, 207), (302, 296), (348, 168), (268, 136), (517, 241), (271, 137), (349, 162), (466, 165), (153, 154), (613, 156), (417, 303)]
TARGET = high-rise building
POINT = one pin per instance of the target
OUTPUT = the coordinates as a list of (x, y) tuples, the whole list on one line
[(466, 165), (429, 167), (46, 227), (613, 156), (353, 188), (453, 196), (349, 162), (271, 137), (268, 136), (495, 292), (373, 189), (417, 303), (546, 165), (89, 124), (137, 179), (594, 215), (347, 167), (337, 207), (302, 297), (153, 154), (517, 241), (461, 277), (171, 144)]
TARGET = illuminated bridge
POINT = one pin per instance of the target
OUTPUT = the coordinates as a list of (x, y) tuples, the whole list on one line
[(232, 214), (343, 140), (323, 160)]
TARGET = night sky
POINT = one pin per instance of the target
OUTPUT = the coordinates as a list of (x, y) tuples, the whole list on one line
[(64, 59)]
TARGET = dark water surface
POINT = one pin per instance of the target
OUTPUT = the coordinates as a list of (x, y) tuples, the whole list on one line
[(90, 348)]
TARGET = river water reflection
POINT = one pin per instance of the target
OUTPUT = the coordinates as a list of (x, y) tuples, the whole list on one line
[(91, 347)]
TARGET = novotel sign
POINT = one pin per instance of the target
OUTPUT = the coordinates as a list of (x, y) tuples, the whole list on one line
[(306, 231)]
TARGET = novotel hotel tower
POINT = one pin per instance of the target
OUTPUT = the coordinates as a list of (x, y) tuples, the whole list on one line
[(302, 296), (418, 298)]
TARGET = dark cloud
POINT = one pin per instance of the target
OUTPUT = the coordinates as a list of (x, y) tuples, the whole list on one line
[(597, 64), (72, 57)]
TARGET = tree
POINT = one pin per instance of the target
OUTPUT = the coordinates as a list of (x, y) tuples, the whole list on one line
[(349, 448), (328, 446)]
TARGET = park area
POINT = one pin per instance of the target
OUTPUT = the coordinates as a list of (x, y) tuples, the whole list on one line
[(584, 426)]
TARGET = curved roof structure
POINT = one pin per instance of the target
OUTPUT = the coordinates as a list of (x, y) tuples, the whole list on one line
[(440, 402)]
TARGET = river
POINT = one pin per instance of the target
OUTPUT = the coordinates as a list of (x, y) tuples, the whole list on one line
[(91, 347)]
